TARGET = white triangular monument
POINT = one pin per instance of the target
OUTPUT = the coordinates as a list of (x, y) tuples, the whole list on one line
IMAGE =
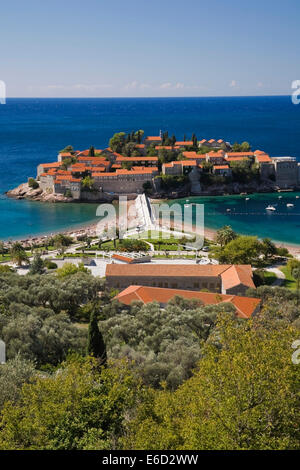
[(2, 352)]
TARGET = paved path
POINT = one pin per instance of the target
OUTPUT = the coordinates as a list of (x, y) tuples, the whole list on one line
[(280, 276)]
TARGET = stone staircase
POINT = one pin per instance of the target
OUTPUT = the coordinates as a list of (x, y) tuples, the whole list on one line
[(194, 177)]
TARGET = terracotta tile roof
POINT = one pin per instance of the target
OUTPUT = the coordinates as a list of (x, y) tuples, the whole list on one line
[(259, 152), (211, 141), (165, 147), (237, 274), (220, 141), (263, 158), (91, 159), (126, 259), (151, 137), (188, 163), (185, 142), (137, 171), (231, 275), (221, 167), (140, 146), (202, 141), (240, 154), (51, 165), (136, 159), (193, 155), (170, 270), (245, 306)]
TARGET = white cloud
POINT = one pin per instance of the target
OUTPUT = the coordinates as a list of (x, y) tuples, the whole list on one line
[(179, 85), (143, 86), (233, 83), (260, 85), (131, 86), (166, 85), (78, 86)]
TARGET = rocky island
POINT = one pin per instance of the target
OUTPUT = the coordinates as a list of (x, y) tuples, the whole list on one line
[(160, 166)]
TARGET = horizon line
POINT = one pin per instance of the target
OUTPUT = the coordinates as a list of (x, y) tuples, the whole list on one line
[(142, 97)]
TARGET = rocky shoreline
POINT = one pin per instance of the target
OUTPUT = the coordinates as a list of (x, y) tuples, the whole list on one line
[(24, 191)]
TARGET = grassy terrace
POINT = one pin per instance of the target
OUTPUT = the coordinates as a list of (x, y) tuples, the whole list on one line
[(289, 282)]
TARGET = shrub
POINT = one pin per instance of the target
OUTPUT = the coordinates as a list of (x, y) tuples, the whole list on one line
[(32, 183)]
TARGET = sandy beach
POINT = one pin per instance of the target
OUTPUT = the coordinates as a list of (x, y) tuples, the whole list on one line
[(90, 229)]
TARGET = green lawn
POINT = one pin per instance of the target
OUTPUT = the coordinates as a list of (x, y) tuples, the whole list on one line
[(289, 281), (269, 278), (5, 257)]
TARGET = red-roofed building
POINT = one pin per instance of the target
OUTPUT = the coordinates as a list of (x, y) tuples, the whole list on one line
[(225, 279), (152, 140), (222, 170), (184, 143), (216, 158), (245, 306)]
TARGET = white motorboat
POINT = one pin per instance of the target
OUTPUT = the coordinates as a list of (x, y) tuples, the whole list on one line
[(247, 198), (290, 205), (297, 197), (270, 208)]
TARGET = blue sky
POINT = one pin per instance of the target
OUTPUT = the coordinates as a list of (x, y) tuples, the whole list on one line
[(71, 48)]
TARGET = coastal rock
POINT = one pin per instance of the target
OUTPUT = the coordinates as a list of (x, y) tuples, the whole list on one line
[(24, 191)]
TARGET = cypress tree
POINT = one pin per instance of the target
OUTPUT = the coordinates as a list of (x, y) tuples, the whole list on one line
[(92, 151), (96, 346)]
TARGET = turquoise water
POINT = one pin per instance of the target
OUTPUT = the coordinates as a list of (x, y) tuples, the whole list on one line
[(250, 217), (35, 218), (34, 130)]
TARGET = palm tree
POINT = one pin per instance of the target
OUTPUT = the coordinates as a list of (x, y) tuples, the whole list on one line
[(18, 253), (225, 235)]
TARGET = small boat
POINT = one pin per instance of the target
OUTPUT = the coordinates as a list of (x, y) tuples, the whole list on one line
[(247, 198), (290, 205), (270, 208), (228, 210), (186, 205), (187, 200), (297, 197), (279, 197)]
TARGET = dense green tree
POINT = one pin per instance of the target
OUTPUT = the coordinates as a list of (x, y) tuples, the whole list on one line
[(95, 344), (88, 183), (67, 149), (243, 395), (241, 250), (37, 265), (77, 407), (91, 151), (117, 141), (13, 375), (69, 269)]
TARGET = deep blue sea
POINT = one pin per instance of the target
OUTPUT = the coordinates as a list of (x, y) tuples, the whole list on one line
[(34, 130)]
